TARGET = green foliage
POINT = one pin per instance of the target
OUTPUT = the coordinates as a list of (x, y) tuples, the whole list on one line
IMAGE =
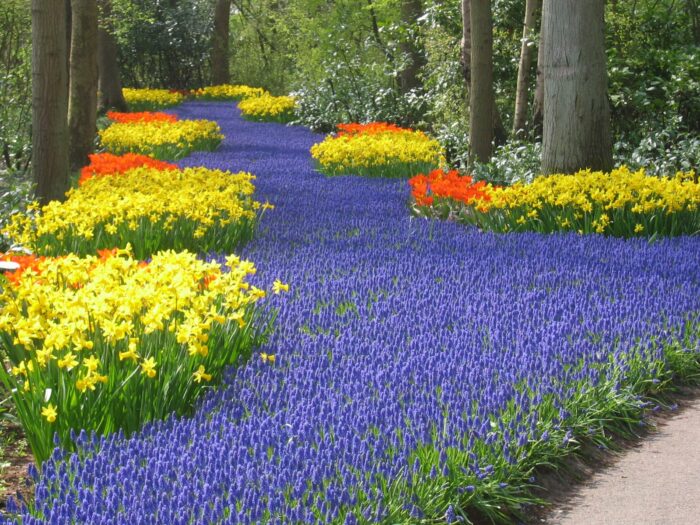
[(514, 161), (261, 45), (653, 67), (662, 152), (448, 108), (15, 86), (16, 193), (163, 44), (340, 59)]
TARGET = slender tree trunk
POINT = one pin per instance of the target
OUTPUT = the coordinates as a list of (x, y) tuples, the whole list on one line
[(411, 11), (466, 44), (109, 79), (220, 41), (576, 113), (110, 84), (481, 97), (538, 104), (69, 33), (49, 100), (526, 51), (82, 102)]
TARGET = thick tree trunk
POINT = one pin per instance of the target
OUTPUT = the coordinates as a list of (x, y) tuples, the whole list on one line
[(538, 104), (526, 51), (411, 11), (49, 100), (481, 97), (466, 44), (576, 111), (220, 41), (82, 103)]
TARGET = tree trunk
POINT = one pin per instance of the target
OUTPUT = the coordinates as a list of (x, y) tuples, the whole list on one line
[(82, 103), (220, 41), (69, 33), (411, 11), (466, 44), (49, 100), (576, 111), (109, 80), (526, 49), (538, 104), (481, 98)]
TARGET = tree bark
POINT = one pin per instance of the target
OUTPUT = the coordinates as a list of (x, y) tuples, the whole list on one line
[(109, 80), (49, 100), (466, 44), (538, 104), (526, 51), (69, 33), (82, 102), (220, 41), (576, 112), (481, 97), (411, 11)]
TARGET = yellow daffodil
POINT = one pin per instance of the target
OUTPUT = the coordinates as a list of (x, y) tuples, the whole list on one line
[(269, 358), (278, 287), (150, 99), (228, 92), (196, 198), (148, 367), (68, 361), (162, 140), (49, 412), (267, 107), (361, 153), (200, 375)]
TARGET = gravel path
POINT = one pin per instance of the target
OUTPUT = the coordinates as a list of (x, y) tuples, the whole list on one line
[(655, 483)]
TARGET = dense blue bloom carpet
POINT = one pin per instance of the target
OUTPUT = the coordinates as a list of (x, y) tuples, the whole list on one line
[(420, 366)]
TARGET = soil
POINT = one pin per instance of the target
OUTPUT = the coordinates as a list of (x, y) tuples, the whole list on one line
[(15, 459)]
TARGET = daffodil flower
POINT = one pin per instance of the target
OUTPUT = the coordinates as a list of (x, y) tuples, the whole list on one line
[(49, 412)]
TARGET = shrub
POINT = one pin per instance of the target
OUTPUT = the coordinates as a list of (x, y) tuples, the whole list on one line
[(109, 343), (196, 209)]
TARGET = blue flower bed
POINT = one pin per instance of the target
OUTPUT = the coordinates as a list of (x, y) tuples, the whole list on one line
[(421, 370)]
